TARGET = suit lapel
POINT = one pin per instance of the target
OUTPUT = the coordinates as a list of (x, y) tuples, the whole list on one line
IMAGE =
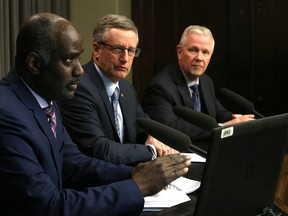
[(206, 96), (95, 77), (182, 88), (24, 94)]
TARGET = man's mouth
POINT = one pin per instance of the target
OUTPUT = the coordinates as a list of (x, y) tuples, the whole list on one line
[(119, 68), (73, 84)]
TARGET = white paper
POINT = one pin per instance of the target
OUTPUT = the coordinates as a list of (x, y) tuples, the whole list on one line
[(175, 194), (166, 198), (186, 185)]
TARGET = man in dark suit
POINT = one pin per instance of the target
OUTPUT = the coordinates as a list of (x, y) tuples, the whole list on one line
[(173, 86), (42, 172), (89, 117)]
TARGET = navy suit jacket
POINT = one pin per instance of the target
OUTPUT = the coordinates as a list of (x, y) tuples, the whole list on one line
[(40, 175), (169, 89), (88, 118)]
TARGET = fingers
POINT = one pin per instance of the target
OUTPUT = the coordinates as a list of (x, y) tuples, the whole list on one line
[(236, 115), (237, 118), (244, 117), (179, 162), (173, 158), (161, 148), (178, 166), (153, 176), (166, 150)]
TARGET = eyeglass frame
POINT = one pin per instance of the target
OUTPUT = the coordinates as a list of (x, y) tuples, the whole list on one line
[(118, 49)]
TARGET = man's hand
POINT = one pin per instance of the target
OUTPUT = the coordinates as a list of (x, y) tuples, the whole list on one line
[(161, 148), (237, 118), (151, 177)]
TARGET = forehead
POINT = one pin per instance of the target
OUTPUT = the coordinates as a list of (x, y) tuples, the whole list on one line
[(121, 36), (69, 39), (197, 39)]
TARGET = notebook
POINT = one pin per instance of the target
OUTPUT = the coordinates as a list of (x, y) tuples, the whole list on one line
[(242, 169)]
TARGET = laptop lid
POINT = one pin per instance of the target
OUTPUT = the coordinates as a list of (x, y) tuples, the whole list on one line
[(242, 167)]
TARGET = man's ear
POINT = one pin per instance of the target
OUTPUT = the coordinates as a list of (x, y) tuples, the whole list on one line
[(34, 63), (96, 48)]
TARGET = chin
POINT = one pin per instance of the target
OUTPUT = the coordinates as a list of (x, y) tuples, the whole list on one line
[(70, 96), (67, 95), (197, 72)]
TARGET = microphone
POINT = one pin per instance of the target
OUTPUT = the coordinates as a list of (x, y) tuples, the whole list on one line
[(239, 101), (198, 119), (170, 136)]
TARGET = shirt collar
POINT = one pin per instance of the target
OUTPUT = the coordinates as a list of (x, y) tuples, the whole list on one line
[(109, 85), (41, 101), (188, 81)]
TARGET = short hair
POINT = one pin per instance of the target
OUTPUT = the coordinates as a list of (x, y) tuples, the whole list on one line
[(196, 29), (37, 35), (110, 21)]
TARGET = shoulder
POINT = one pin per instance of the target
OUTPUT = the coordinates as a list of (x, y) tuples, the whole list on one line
[(169, 71), (91, 80), (126, 87), (167, 74), (206, 78)]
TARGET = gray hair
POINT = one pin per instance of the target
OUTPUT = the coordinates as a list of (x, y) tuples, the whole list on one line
[(110, 21), (196, 29)]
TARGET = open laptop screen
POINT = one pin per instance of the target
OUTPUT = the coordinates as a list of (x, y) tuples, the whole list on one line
[(242, 167)]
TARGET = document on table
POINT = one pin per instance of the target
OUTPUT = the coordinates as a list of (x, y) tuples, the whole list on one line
[(175, 194), (185, 184), (195, 157)]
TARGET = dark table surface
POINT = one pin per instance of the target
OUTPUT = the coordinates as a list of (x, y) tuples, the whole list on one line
[(184, 209)]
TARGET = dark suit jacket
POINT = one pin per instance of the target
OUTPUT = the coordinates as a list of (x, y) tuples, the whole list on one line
[(89, 120), (40, 175), (169, 89)]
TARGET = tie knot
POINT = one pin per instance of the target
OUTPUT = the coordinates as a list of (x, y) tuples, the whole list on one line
[(49, 111), (115, 95), (195, 87)]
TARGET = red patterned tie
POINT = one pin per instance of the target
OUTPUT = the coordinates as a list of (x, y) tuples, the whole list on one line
[(50, 113)]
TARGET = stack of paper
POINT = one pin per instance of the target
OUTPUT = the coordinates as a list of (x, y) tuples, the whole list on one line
[(186, 185), (175, 194)]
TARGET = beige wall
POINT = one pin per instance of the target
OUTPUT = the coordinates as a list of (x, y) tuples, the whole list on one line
[(85, 13)]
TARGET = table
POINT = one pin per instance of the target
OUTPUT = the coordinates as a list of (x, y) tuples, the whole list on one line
[(195, 172)]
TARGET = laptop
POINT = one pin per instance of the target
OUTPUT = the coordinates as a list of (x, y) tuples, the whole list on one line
[(241, 171)]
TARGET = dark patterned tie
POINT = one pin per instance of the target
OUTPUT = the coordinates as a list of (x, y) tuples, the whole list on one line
[(196, 97), (115, 102), (50, 113)]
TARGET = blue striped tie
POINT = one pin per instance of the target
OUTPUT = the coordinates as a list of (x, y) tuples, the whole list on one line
[(196, 97)]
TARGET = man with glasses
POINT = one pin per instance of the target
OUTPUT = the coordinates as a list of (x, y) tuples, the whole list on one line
[(101, 118)]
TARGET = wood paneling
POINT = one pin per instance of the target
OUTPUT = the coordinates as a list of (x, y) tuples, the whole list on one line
[(251, 49)]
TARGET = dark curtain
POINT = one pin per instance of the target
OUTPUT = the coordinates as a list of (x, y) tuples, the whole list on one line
[(12, 14)]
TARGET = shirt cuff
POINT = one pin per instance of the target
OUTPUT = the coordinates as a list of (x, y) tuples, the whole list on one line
[(152, 150)]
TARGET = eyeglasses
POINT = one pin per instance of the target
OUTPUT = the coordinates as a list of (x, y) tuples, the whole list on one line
[(132, 52)]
